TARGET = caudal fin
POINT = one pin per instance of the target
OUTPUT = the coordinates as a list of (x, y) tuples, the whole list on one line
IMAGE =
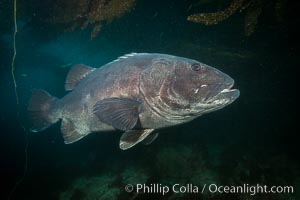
[(40, 107)]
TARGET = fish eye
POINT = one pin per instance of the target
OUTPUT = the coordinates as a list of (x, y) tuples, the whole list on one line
[(196, 67)]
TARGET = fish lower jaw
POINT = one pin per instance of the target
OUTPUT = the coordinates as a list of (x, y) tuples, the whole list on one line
[(225, 97), (226, 93), (228, 90)]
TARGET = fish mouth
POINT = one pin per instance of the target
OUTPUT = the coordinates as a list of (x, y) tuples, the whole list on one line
[(216, 95), (225, 96), (220, 100)]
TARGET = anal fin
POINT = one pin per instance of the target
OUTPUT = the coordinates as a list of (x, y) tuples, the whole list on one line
[(70, 133)]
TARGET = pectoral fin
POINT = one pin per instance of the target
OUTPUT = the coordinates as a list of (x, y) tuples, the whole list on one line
[(121, 113), (132, 137)]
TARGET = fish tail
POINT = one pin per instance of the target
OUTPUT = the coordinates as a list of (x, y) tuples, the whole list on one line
[(41, 109)]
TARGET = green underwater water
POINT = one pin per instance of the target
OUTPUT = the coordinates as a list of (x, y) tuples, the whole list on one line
[(252, 141)]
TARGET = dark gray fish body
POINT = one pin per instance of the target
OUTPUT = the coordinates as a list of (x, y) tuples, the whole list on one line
[(137, 93)]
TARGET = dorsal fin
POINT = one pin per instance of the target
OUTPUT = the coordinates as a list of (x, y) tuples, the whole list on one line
[(128, 56), (76, 74)]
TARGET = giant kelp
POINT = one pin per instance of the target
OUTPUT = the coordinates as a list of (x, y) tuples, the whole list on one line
[(82, 13), (252, 9)]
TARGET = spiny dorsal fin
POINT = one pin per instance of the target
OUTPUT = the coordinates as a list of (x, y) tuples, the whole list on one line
[(76, 74), (128, 56)]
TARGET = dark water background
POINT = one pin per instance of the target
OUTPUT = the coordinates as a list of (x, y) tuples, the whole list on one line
[(252, 141)]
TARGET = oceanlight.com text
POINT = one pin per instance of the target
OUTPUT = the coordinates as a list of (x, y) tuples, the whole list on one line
[(157, 188)]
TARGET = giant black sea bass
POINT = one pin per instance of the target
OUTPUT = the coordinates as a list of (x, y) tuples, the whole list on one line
[(138, 93)]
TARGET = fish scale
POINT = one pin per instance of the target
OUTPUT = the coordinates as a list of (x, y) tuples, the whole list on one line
[(138, 93)]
